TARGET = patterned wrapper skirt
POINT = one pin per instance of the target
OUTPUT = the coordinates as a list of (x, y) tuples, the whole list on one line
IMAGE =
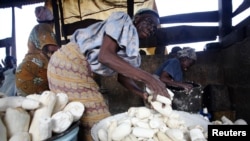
[(69, 72), (31, 75)]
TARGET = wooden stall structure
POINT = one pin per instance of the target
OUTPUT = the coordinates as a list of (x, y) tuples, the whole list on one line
[(222, 69)]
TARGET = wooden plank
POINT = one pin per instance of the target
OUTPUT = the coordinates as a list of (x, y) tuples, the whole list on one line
[(244, 5), (180, 34), (18, 3), (6, 42), (211, 16)]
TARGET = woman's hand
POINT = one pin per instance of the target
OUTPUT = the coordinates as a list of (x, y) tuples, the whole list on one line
[(157, 87), (187, 87)]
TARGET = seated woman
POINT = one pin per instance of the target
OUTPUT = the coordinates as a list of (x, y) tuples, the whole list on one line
[(31, 74), (171, 71), (9, 86)]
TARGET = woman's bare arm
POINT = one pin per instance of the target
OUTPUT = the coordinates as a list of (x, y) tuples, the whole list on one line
[(165, 77), (108, 56), (132, 86)]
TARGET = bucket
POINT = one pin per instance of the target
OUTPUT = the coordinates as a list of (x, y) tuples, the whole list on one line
[(189, 102), (68, 135)]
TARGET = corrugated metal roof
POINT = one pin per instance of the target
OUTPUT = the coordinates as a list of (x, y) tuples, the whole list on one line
[(17, 3)]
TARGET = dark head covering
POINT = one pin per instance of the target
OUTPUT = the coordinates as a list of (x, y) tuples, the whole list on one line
[(147, 11), (43, 14), (187, 52), (175, 49)]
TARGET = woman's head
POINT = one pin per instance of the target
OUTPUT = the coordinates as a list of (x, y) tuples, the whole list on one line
[(49, 49), (41, 38), (43, 14), (10, 62), (146, 22), (187, 57)]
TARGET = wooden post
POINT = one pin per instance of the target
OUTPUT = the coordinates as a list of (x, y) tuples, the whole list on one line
[(56, 19), (225, 18), (130, 8), (13, 44)]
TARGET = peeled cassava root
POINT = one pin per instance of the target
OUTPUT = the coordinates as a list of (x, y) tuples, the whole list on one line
[(18, 101), (48, 100), (160, 123), (13, 115), (20, 136), (75, 108), (10, 102), (3, 131), (37, 116), (142, 123), (61, 121)]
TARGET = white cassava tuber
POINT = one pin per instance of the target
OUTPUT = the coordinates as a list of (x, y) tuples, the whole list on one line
[(45, 128), (174, 115), (196, 135), (171, 94), (175, 134), (164, 128), (130, 137), (142, 124), (143, 132), (131, 111), (217, 122), (142, 112), (155, 138), (3, 131), (156, 123), (124, 120), (121, 131), (164, 110), (111, 128), (240, 122), (16, 114), (10, 102), (162, 99), (162, 136), (102, 135), (134, 120), (62, 100), (174, 123), (196, 126), (21, 136), (61, 121), (47, 100), (30, 104), (76, 108), (34, 96), (226, 121)]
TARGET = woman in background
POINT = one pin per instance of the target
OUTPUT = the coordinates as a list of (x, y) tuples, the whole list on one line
[(171, 71), (9, 85), (31, 74)]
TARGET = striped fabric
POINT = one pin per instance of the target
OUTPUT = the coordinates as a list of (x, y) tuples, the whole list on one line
[(69, 72)]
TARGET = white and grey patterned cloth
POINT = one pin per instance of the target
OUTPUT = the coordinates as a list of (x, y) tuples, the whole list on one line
[(187, 52), (118, 26)]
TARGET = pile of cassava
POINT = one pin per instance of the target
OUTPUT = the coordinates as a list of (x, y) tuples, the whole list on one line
[(37, 117), (157, 123)]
